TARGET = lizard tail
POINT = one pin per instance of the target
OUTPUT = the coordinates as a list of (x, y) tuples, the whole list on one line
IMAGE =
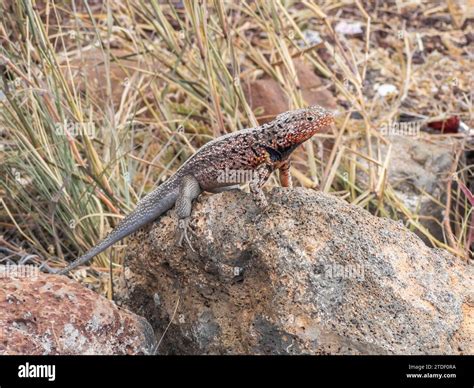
[(148, 209)]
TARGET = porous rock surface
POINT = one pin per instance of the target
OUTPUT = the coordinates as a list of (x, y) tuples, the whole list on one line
[(311, 275)]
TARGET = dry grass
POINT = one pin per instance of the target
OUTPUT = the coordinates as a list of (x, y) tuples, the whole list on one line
[(104, 99)]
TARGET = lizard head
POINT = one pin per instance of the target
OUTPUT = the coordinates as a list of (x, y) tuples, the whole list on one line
[(296, 126)]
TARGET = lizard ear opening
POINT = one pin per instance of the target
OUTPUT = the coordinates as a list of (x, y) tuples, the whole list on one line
[(310, 118)]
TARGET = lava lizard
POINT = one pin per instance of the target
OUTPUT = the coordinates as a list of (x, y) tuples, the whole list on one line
[(261, 150)]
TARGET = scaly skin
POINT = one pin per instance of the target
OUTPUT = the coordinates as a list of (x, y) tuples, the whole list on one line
[(259, 151)]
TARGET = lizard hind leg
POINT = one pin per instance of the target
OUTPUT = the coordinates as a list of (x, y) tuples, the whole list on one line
[(188, 191)]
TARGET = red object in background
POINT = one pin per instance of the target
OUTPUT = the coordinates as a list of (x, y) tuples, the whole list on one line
[(450, 125)]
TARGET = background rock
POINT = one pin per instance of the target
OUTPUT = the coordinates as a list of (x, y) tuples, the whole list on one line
[(51, 314), (418, 170), (91, 74), (268, 95), (312, 275)]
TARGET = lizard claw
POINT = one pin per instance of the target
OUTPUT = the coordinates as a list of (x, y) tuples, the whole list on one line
[(261, 201), (183, 227)]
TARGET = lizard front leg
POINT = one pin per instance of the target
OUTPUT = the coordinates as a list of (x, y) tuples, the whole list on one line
[(285, 176), (189, 190), (261, 175)]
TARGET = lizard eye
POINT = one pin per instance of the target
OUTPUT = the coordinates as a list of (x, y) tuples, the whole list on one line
[(310, 118)]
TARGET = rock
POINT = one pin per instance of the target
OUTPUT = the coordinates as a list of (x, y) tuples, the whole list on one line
[(311, 275), (266, 94), (51, 314), (349, 28), (418, 170)]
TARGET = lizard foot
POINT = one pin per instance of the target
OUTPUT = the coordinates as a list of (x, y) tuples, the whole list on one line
[(261, 201), (182, 232)]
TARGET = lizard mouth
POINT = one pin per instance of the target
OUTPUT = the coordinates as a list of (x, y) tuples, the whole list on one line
[(330, 120)]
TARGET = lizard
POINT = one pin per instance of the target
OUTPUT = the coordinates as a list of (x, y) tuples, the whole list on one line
[(261, 150)]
